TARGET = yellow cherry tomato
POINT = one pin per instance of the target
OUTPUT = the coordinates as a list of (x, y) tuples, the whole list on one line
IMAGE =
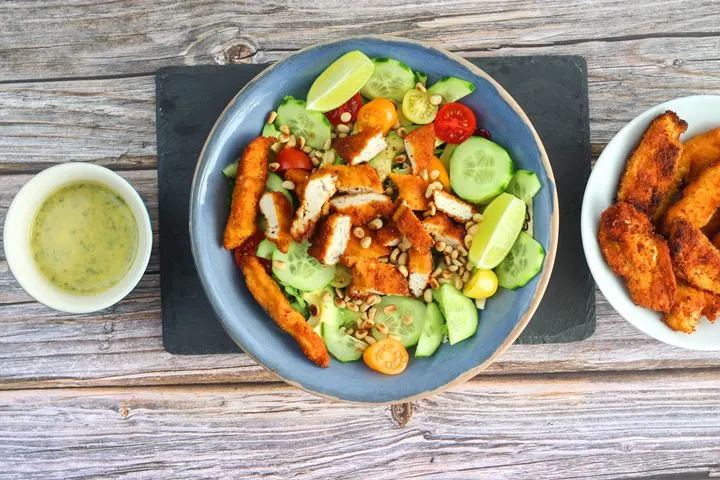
[(387, 356), (482, 284), (379, 113), (444, 178)]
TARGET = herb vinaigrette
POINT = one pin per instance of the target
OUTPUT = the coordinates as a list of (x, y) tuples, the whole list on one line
[(84, 238)]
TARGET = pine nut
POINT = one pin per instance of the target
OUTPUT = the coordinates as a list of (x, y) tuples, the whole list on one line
[(394, 255), (278, 265), (469, 224), (370, 340), (376, 224), (456, 262), (404, 244), (463, 251), (285, 129), (477, 217), (440, 246), (342, 135), (427, 296), (446, 274), (436, 272), (368, 324), (402, 158), (360, 334), (472, 230), (307, 149), (328, 157), (339, 302), (301, 142), (372, 313), (381, 327), (434, 283), (327, 144), (403, 270), (276, 147), (271, 117), (318, 153), (345, 117), (438, 185), (468, 240), (436, 99), (283, 137), (395, 337), (315, 161), (358, 232), (389, 309), (339, 292), (373, 300), (402, 132), (407, 320), (466, 277), (342, 128), (288, 185), (352, 307), (453, 268), (274, 166), (454, 254), (361, 347), (424, 174), (448, 249), (403, 259), (459, 283), (432, 209), (366, 242), (429, 191), (350, 331), (421, 87), (358, 301), (434, 174)]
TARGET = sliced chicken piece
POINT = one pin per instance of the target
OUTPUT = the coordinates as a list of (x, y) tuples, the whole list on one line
[(420, 268), (330, 239), (360, 147), (370, 276), (412, 228), (319, 189), (363, 207), (355, 250), (459, 210), (278, 212), (353, 179), (691, 304), (442, 229), (420, 147), (411, 188), (388, 235)]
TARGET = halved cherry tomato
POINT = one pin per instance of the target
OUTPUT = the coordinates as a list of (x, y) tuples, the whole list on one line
[(444, 178), (351, 106), (291, 157), (387, 356), (379, 113), (454, 123), (248, 248)]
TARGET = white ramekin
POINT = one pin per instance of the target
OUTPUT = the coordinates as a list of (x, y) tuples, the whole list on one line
[(19, 220)]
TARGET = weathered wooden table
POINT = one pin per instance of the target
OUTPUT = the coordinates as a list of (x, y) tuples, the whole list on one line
[(96, 395)]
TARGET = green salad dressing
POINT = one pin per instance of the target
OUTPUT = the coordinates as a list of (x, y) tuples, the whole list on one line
[(84, 238)]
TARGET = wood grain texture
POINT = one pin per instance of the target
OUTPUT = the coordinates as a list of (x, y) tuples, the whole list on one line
[(600, 426)]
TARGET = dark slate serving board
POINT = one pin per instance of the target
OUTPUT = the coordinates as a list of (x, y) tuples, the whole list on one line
[(551, 89)]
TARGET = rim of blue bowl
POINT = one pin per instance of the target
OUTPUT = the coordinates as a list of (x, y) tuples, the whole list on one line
[(549, 254)]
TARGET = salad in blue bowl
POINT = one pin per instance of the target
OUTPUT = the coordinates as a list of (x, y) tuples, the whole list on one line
[(387, 221)]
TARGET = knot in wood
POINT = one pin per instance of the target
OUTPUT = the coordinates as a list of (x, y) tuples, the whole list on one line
[(237, 51), (401, 413), (124, 411)]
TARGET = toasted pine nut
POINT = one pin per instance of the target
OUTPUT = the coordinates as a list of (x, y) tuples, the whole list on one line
[(453, 268), (466, 276), (342, 135), (389, 309), (477, 217), (339, 302), (473, 229), (358, 232), (370, 340), (373, 300), (468, 240), (395, 337), (271, 117), (421, 87), (301, 142), (278, 265), (432, 209), (404, 244), (318, 153), (446, 274), (383, 259), (328, 157), (284, 129), (284, 138), (429, 191), (342, 128), (276, 147), (436, 99), (435, 174), (288, 184), (456, 261), (368, 324), (469, 224), (424, 174), (307, 149), (427, 296), (438, 185), (403, 259), (274, 166), (327, 144), (440, 246), (358, 301), (381, 327), (371, 313), (350, 331), (463, 251), (339, 292), (352, 307), (394, 255), (360, 334), (345, 117), (402, 158), (402, 132), (436, 272), (459, 283), (448, 249), (362, 347), (433, 283), (375, 224), (454, 254), (366, 242), (403, 270)]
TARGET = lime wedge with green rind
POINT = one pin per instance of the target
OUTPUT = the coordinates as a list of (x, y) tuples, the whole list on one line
[(340, 81), (496, 234)]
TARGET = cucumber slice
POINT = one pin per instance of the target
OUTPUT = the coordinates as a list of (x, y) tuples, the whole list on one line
[(524, 185), (459, 312), (480, 170), (390, 79), (523, 262), (265, 249), (327, 323), (432, 333), (343, 277), (300, 270), (417, 108), (230, 171), (383, 161), (447, 154), (269, 130), (451, 89), (404, 307), (274, 184), (311, 125)]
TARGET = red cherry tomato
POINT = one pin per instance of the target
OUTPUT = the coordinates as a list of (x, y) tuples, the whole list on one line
[(291, 157), (454, 123), (351, 106), (248, 248)]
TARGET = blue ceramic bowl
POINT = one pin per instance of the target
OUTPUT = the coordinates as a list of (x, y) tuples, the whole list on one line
[(506, 314)]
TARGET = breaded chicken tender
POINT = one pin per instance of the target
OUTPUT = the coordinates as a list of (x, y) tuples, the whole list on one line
[(700, 200), (420, 147), (442, 229), (299, 177), (320, 187), (360, 147), (278, 215), (269, 295), (411, 188), (354, 249), (252, 174), (654, 173), (363, 207), (412, 228), (701, 151), (331, 239), (691, 304), (695, 258), (355, 178), (370, 276), (639, 255)]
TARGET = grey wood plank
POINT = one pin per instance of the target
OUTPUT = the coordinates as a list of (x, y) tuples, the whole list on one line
[(601, 426)]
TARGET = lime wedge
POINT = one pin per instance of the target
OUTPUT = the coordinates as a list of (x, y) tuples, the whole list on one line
[(340, 81), (500, 226)]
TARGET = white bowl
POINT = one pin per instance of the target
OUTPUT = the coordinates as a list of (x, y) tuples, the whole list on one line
[(18, 223), (702, 113)]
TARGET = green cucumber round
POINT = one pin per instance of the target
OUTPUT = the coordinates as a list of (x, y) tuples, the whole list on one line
[(451, 89), (524, 261), (270, 130), (342, 346), (432, 333), (480, 170), (391, 79), (274, 184), (459, 312), (524, 185), (300, 270), (394, 320), (311, 125), (265, 249)]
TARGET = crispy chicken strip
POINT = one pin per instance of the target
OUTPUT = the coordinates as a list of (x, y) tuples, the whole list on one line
[(420, 268), (355, 251), (363, 207), (700, 200), (278, 212), (459, 210), (691, 304), (420, 147), (411, 188), (331, 239), (716, 240), (369, 276), (249, 186), (319, 189), (701, 151), (653, 173), (269, 295), (412, 228), (355, 178), (360, 147), (695, 258), (442, 229), (636, 253), (388, 235)]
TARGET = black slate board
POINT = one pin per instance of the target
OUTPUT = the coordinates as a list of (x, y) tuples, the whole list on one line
[(551, 89)]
